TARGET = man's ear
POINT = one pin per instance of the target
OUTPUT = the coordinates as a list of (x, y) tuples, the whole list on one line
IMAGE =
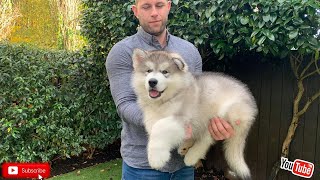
[(169, 6), (178, 60), (135, 11), (138, 55)]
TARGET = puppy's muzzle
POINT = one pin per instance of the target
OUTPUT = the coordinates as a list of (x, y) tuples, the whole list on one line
[(153, 82), (153, 92)]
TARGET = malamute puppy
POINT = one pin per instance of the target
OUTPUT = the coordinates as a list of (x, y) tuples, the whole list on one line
[(172, 98)]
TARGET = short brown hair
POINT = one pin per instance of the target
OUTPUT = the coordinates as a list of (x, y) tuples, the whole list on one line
[(136, 1)]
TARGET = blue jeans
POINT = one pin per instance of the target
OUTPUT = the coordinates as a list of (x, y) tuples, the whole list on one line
[(130, 173)]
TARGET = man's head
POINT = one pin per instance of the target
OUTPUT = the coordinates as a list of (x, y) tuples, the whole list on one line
[(152, 15)]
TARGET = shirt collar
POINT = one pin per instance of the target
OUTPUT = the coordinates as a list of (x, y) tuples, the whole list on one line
[(150, 39)]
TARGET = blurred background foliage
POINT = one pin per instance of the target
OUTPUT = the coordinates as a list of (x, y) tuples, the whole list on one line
[(52, 24)]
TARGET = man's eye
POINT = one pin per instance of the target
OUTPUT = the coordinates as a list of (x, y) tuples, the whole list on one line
[(159, 4), (149, 70), (145, 7)]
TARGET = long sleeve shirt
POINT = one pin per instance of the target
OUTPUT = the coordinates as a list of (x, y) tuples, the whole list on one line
[(134, 137)]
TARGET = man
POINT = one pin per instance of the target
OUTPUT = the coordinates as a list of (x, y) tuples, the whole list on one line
[(152, 35)]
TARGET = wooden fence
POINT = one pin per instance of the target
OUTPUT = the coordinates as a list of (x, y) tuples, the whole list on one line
[(274, 87)]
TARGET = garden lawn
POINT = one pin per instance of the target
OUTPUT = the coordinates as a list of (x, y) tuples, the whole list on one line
[(104, 171)]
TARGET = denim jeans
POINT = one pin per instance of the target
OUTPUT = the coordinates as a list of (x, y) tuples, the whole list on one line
[(130, 173)]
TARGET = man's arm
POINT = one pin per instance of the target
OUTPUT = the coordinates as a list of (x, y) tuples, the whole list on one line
[(119, 70), (198, 63)]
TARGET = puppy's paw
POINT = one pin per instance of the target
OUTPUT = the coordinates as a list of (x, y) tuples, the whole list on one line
[(183, 150), (190, 160), (185, 146), (158, 158)]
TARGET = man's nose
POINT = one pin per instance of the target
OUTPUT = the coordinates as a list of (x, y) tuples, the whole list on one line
[(154, 12)]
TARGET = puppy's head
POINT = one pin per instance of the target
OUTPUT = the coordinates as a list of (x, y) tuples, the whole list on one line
[(158, 72)]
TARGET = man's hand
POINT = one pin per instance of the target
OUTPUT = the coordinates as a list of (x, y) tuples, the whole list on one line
[(221, 129)]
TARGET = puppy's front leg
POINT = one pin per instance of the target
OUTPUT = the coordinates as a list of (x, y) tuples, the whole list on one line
[(183, 148), (165, 135)]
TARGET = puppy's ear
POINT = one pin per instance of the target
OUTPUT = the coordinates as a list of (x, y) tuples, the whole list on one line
[(138, 55), (178, 60)]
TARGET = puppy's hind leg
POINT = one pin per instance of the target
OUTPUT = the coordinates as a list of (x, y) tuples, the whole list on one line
[(165, 135), (198, 150)]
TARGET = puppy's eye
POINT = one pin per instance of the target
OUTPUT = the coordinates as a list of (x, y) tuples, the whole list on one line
[(165, 72), (149, 70)]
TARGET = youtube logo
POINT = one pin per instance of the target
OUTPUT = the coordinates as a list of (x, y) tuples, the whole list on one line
[(26, 170), (13, 170)]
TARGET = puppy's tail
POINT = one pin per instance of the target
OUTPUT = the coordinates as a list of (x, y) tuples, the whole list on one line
[(233, 149)]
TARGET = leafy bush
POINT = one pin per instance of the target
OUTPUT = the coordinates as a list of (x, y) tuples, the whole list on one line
[(46, 108), (231, 27), (35, 122), (103, 28), (218, 28), (94, 107)]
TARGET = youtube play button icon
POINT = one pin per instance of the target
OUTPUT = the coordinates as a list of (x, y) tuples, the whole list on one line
[(13, 170)]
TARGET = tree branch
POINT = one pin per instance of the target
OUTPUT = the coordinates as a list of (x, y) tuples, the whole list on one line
[(316, 59), (305, 69), (310, 74), (294, 66), (298, 97), (308, 103), (317, 70), (299, 60)]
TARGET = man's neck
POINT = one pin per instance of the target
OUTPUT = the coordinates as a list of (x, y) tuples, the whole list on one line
[(162, 38)]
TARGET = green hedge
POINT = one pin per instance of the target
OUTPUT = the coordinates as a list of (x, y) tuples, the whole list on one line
[(48, 107), (220, 29), (228, 28)]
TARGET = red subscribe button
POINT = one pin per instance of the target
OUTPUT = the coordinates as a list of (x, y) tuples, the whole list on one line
[(26, 170)]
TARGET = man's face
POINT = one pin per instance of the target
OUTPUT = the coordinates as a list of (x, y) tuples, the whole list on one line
[(152, 15)]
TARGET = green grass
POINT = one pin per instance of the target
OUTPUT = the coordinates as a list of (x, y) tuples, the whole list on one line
[(105, 171)]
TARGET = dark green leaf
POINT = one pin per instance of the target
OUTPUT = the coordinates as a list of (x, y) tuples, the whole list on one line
[(175, 2), (261, 40), (270, 36), (261, 24), (231, 31), (237, 40), (266, 18), (244, 20), (293, 34), (255, 32)]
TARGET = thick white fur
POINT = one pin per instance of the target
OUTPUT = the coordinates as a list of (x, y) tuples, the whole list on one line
[(191, 100)]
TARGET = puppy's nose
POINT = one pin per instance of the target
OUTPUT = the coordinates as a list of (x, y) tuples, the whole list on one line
[(153, 82)]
